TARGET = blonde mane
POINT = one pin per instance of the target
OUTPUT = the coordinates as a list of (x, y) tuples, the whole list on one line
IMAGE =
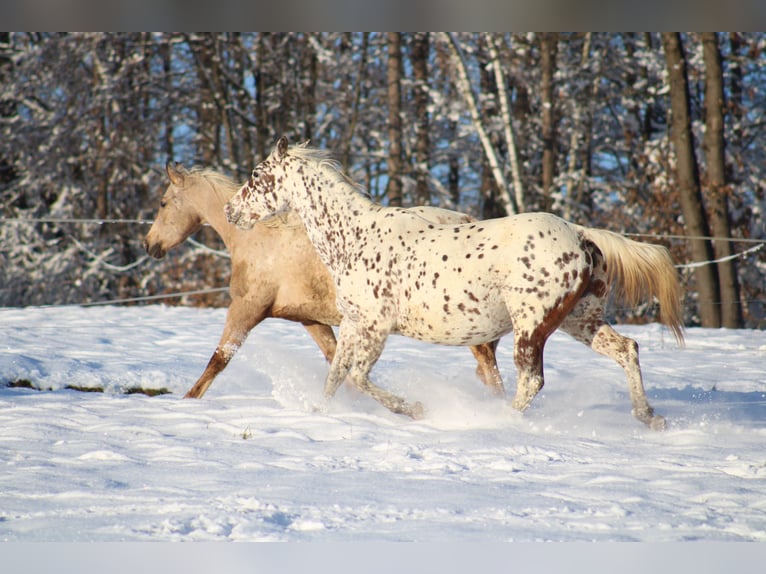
[(225, 187), (223, 184)]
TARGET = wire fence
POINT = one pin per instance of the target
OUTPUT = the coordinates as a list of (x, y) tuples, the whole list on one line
[(758, 244)]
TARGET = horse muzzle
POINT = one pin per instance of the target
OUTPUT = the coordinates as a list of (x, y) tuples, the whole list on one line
[(154, 249)]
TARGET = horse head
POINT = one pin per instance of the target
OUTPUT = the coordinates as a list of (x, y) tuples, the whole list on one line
[(260, 197), (177, 217)]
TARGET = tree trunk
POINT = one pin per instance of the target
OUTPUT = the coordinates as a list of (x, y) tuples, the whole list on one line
[(505, 110), (208, 119), (361, 75), (687, 175), (731, 311), (262, 80), (548, 49), (419, 57), (7, 105), (168, 139), (394, 80), (311, 67), (463, 84), (492, 205), (243, 100)]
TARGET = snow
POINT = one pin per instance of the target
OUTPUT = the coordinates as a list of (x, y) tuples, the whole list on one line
[(262, 457)]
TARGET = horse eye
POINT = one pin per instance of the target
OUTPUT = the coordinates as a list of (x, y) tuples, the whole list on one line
[(163, 203)]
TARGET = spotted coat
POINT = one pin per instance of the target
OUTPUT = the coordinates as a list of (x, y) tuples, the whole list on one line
[(465, 284)]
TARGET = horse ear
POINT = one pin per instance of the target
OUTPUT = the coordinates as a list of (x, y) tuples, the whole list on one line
[(175, 173), (281, 147)]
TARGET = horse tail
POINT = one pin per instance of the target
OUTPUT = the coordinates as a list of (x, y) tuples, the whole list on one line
[(639, 271)]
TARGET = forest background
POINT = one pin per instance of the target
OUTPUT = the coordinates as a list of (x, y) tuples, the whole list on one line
[(658, 135)]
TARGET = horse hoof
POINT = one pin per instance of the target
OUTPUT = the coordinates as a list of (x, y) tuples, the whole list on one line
[(657, 423), (418, 411)]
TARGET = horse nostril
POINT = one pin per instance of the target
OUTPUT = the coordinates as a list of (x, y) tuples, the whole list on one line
[(155, 250)]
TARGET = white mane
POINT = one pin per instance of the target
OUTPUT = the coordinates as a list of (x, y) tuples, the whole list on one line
[(225, 187), (326, 162)]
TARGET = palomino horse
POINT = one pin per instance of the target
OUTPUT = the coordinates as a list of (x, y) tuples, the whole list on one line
[(460, 284), (275, 272)]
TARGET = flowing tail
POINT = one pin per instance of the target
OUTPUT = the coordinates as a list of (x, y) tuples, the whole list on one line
[(639, 271)]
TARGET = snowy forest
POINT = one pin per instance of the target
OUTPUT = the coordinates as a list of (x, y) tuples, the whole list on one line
[(655, 135)]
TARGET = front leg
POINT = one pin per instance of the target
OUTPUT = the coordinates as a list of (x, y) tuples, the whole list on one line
[(357, 351), (343, 359), (240, 320)]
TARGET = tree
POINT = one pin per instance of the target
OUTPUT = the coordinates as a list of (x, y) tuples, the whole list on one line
[(687, 175), (548, 50), (463, 83), (731, 311), (393, 77), (419, 57), (492, 204), (7, 105), (508, 131)]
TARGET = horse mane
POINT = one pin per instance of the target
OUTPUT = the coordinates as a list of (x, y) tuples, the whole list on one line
[(324, 160), (225, 187), (222, 183)]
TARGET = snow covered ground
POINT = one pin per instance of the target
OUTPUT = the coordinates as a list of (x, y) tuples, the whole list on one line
[(262, 458)]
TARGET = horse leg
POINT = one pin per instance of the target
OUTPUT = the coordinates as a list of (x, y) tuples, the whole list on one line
[(528, 357), (531, 330), (486, 369), (324, 338), (240, 320), (342, 361), (365, 347), (586, 324), (389, 400)]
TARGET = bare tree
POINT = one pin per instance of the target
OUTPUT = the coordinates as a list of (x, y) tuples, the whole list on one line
[(419, 58), (394, 83), (7, 106), (687, 175), (508, 131), (548, 50), (492, 200), (463, 83), (357, 81), (731, 311)]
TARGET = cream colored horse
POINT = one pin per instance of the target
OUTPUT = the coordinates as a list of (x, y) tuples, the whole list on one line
[(275, 272)]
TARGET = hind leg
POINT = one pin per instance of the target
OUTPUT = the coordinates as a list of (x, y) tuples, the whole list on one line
[(528, 357), (586, 324), (533, 323), (486, 367), (324, 338)]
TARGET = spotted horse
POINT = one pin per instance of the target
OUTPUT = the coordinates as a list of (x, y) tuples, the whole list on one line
[(466, 284)]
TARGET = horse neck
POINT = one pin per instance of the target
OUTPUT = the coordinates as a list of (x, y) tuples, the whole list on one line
[(333, 212), (209, 202)]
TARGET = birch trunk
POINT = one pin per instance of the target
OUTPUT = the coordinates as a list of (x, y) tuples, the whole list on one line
[(463, 84), (505, 110)]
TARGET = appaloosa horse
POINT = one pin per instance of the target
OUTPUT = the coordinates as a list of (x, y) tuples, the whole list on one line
[(275, 271), (460, 284)]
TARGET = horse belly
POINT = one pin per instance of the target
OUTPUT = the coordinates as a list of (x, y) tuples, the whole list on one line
[(455, 320)]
